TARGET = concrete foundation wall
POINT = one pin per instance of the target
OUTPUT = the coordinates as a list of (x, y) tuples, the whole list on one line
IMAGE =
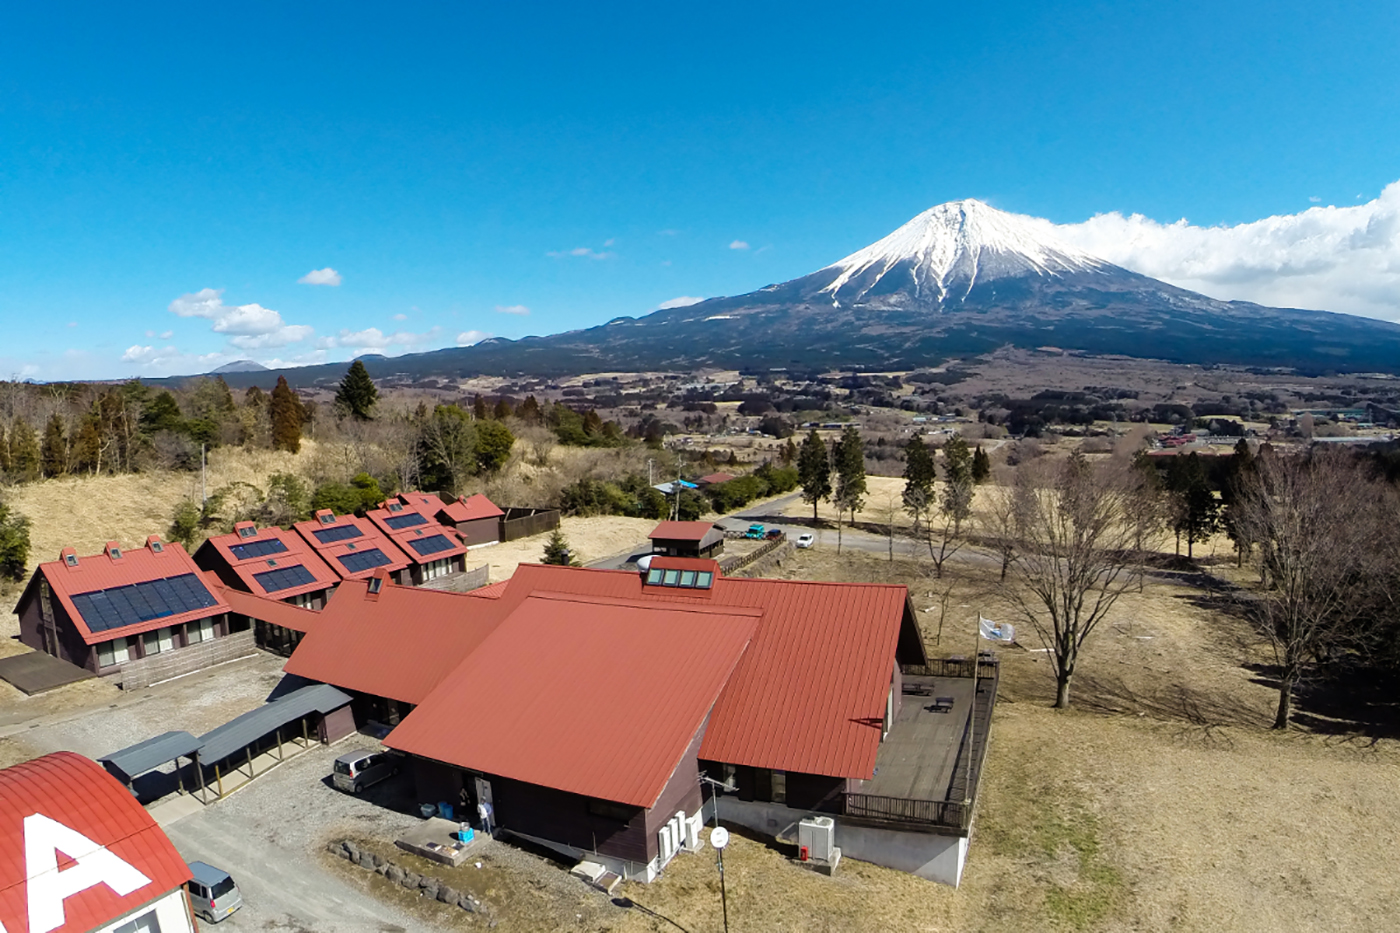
[(157, 667), (927, 855)]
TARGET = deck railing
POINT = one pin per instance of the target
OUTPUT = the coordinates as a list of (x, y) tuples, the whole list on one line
[(939, 814)]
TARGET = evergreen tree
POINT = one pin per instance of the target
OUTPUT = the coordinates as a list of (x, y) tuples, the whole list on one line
[(225, 396), (1196, 511), (493, 443), (789, 452), (286, 418), (981, 466), (850, 471), (530, 410), (957, 482), (479, 408), (24, 452), (162, 413), (357, 394), (502, 411), (4, 451), (919, 476), (557, 552), (255, 398), (87, 446), (54, 452), (14, 543), (814, 471)]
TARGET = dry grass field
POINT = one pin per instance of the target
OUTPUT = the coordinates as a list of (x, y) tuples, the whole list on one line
[(589, 539)]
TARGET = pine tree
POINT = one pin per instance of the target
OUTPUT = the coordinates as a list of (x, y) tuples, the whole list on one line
[(87, 446), (286, 418), (1197, 512), (225, 396), (789, 452), (24, 452), (557, 552), (919, 476), (14, 543), (479, 408), (981, 466), (814, 471), (530, 410), (957, 481), (357, 394), (502, 410), (54, 452), (850, 471), (4, 451)]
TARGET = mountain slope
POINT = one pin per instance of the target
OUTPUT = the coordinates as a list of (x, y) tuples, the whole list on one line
[(959, 278)]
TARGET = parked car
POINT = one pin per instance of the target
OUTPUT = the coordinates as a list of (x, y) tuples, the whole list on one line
[(806, 540), (772, 533), (354, 771), (755, 531), (213, 892)]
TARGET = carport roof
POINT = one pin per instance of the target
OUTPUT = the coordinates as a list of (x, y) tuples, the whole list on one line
[(152, 753), (235, 734)]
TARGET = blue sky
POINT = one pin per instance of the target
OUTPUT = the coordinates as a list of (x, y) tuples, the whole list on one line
[(169, 174)]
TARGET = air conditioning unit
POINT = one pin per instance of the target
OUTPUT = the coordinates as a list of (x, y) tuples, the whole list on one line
[(818, 835)]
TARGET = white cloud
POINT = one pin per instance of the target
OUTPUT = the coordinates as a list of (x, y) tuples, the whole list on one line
[(683, 301), (171, 360), (326, 276), (609, 242), (468, 337), (248, 327), (738, 244), (582, 252), (1331, 258), (372, 338), (1315, 199), (401, 317), (512, 309)]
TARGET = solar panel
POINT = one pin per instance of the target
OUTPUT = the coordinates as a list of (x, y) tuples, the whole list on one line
[(397, 522), (363, 560), (341, 533), (104, 610), (257, 549), (284, 578), (426, 546)]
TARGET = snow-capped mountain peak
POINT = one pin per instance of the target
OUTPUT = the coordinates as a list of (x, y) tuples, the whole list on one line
[(945, 251)]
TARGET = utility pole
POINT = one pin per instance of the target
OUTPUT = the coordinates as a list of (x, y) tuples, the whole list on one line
[(720, 843), (651, 480), (203, 495)]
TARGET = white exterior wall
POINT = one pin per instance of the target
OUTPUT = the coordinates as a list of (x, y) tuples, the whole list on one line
[(930, 856), (172, 912)]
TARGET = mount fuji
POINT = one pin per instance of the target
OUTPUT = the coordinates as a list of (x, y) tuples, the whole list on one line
[(960, 279)]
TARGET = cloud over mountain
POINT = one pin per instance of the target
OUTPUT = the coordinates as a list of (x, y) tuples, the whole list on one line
[(1332, 258)]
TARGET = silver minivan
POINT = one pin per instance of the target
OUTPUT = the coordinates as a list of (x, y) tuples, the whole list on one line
[(354, 771), (213, 892)]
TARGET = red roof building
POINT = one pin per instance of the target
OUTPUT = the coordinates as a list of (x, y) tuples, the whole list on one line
[(714, 479), (353, 547), (476, 517), (110, 610), (433, 550), (79, 853), (389, 646), (687, 539), (268, 562), (278, 626)]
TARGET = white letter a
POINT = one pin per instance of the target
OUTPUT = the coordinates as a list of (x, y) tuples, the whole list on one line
[(48, 887)]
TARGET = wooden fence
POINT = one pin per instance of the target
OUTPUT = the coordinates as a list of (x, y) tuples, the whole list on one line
[(522, 523)]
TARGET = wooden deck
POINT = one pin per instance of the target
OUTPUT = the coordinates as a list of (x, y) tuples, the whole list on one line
[(918, 758)]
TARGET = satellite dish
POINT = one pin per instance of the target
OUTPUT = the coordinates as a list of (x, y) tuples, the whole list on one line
[(719, 837)]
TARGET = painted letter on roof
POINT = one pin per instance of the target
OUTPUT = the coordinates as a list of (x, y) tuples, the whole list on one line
[(49, 888)]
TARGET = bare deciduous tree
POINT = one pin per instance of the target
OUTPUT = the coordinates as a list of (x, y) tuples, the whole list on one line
[(1075, 549), (1315, 519)]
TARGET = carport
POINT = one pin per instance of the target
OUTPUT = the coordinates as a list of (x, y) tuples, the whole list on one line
[(135, 760), (251, 744)]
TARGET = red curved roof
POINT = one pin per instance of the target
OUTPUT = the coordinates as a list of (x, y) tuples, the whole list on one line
[(76, 793)]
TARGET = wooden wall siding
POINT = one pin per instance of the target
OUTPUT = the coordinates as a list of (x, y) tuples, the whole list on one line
[(71, 647), (480, 531), (336, 725), (564, 818)]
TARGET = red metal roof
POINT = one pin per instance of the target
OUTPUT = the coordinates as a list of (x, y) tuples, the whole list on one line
[(267, 609), (492, 590), (296, 554), (656, 669), (370, 537), (681, 531), (77, 794), (809, 693), (404, 537), (398, 643), (471, 508), (158, 560), (714, 479)]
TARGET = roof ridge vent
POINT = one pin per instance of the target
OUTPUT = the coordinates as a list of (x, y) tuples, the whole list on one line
[(69, 556), (325, 517), (113, 550), (155, 545)]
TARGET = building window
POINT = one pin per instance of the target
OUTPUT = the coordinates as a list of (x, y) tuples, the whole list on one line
[(157, 641), (146, 923), (198, 631), (112, 652)]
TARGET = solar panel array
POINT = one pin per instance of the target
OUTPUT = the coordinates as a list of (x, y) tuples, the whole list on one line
[(341, 533), (104, 610), (426, 546), (257, 549), (397, 522), (284, 578), (363, 560)]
